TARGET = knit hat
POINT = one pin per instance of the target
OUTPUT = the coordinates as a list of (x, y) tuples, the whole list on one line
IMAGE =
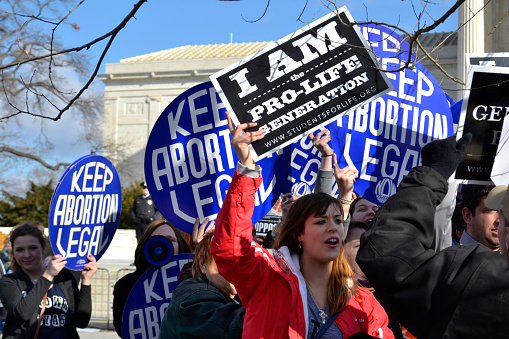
[(498, 199)]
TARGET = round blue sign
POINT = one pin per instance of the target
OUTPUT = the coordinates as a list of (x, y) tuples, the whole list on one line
[(383, 139), (150, 297), (189, 161), (85, 210)]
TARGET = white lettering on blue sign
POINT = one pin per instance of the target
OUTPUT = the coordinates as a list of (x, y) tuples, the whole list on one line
[(77, 246), (85, 209), (382, 139), (174, 119), (196, 157), (90, 174), (189, 149), (425, 124), (145, 322), (200, 159)]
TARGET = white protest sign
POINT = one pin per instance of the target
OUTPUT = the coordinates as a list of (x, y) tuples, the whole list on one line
[(267, 224), (500, 170), (301, 82), (487, 59)]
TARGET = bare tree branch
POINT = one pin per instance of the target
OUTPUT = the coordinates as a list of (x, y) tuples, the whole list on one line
[(111, 35), (6, 149), (264, 12), (303, 10), (498, 23), (53, 39)]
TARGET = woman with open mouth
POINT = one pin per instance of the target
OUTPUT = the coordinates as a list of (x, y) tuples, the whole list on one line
[(304, 288)]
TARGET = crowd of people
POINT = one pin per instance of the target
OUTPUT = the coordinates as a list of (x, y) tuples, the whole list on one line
[(342, 266), (393, 254), (335, 267)]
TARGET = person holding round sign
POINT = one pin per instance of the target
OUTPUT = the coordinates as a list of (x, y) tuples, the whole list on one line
[(205, 303), (304, 288), (124, 286), (43, 301)]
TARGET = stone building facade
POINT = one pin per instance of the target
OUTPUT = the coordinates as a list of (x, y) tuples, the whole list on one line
[(138, 89)]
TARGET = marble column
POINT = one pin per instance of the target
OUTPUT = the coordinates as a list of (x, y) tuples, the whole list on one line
[(470, 36), (498, 25)]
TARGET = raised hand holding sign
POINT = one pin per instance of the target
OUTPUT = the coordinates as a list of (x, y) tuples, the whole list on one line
[(382, 140)]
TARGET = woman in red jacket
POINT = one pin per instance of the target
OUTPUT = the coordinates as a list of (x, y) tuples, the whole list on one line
[(294, 291)]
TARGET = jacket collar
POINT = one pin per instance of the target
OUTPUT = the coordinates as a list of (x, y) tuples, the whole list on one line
[(466, 239), (289, 263)]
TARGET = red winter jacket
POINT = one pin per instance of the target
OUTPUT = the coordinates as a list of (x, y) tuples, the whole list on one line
[(268, 282)]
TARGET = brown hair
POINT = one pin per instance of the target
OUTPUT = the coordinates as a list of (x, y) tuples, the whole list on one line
[(139, 257), (473, 195), (351, 210), (355, 225), (202, 255), (20, 231), (340, 285)]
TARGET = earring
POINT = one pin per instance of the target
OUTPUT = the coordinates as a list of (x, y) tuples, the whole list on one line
[(299, 246)]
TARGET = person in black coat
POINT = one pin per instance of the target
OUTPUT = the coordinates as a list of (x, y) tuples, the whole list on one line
[(459, 292), (124, 286), (143, 211), (23, 291)]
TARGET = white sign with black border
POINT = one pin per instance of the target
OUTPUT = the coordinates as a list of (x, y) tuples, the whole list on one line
[(301, 82)]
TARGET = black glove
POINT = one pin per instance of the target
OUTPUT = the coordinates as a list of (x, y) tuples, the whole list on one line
[(446, 154)]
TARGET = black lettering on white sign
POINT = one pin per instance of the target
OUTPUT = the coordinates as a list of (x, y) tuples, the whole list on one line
[(267, 224), (488, 59), (301, 82)]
